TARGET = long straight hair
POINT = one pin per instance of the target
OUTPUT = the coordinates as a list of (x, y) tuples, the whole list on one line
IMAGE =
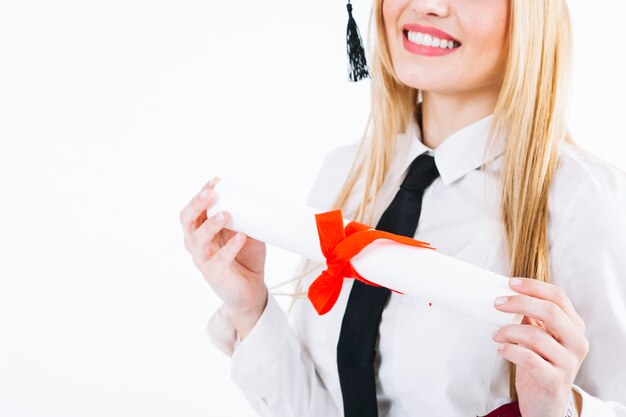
[(530, 113)]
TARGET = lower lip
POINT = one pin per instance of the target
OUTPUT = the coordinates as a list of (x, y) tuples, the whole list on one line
[(424, 50)]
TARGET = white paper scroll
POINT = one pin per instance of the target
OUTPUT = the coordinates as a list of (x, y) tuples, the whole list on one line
[(414, 271)]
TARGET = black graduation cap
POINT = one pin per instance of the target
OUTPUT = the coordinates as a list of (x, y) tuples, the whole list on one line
[(357, 65)]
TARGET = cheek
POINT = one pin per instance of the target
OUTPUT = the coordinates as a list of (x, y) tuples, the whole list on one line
[(495, 35), (487, 41), (391, 10)]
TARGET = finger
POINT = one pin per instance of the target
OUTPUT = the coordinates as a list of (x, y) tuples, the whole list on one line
[(556, 322), (215, 267), (542, 372), (550, 292), (199, 220), (537, 340), (202, 239), (188, 245), (197, 206)]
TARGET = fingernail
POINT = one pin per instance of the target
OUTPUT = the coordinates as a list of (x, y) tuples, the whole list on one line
[(515, 281), (219, 216), (493, 334), (239, 237), (204, 194), (500, 300), (499, 346)]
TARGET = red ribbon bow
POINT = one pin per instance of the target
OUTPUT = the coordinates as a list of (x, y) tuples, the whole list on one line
[(339, 246)]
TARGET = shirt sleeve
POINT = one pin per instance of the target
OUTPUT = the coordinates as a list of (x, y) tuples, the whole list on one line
[(589, 263), (271, 366)]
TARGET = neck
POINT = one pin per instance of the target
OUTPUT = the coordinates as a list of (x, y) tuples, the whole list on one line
[(444, 114)]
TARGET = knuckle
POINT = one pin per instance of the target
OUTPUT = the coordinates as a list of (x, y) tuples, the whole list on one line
[(211, 225), (552, 310), (573, 365), (224, 254), (536, 336), (213, 222), (182, 216), (527, 360), (195, 237), (208, 197), (198, 237), (508, 329), (187, 244), (207, 246), (205, 229), (203, 262), (558, 293), (203, 198), (585, 347), (208, 184), (207, 233), (208, 269)]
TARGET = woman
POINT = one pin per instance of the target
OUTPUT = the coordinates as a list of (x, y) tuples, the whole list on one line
[(514, 195)]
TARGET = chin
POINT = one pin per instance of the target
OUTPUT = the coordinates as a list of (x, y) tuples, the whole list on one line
[(441, 84)]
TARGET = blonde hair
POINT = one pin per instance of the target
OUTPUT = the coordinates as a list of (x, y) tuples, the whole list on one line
[(530, 113)]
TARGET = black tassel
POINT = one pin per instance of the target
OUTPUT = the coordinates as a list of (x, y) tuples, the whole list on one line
[(356, 54)]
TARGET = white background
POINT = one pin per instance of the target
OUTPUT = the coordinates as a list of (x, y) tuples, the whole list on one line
[(113, 114)]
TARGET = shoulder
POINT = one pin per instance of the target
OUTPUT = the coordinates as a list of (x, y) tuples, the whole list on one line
[(585, 183), (341, 157), (584, 167), (332, 174)]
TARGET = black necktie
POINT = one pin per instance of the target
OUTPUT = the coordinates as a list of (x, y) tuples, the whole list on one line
[(356, 349)]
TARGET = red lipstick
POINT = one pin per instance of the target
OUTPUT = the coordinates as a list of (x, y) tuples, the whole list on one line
[(427, 50), (433, 31)]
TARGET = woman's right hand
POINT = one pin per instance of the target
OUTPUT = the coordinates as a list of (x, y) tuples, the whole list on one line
[(232, 263)]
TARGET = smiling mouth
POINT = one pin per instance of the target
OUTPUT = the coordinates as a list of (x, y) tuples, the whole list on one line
[(431, 41)]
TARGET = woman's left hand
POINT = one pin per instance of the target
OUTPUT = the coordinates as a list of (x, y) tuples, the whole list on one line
[(548, 347)]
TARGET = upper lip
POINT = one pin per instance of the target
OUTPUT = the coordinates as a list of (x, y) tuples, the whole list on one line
[(433, 31)]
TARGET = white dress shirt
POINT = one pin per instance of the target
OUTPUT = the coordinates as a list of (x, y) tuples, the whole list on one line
[(431, 361)]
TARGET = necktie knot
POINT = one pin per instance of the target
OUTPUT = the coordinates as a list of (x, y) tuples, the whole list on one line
[(422, 172)]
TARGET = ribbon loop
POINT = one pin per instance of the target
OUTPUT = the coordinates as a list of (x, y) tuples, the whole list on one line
[(339, 246)]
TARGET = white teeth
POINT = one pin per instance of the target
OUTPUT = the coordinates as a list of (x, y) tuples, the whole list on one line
[(432, 41)]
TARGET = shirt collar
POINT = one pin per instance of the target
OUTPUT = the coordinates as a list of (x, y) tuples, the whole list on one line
[(459, 153)]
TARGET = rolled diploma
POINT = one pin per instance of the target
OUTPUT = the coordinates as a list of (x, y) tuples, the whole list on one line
[(425, 273)]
